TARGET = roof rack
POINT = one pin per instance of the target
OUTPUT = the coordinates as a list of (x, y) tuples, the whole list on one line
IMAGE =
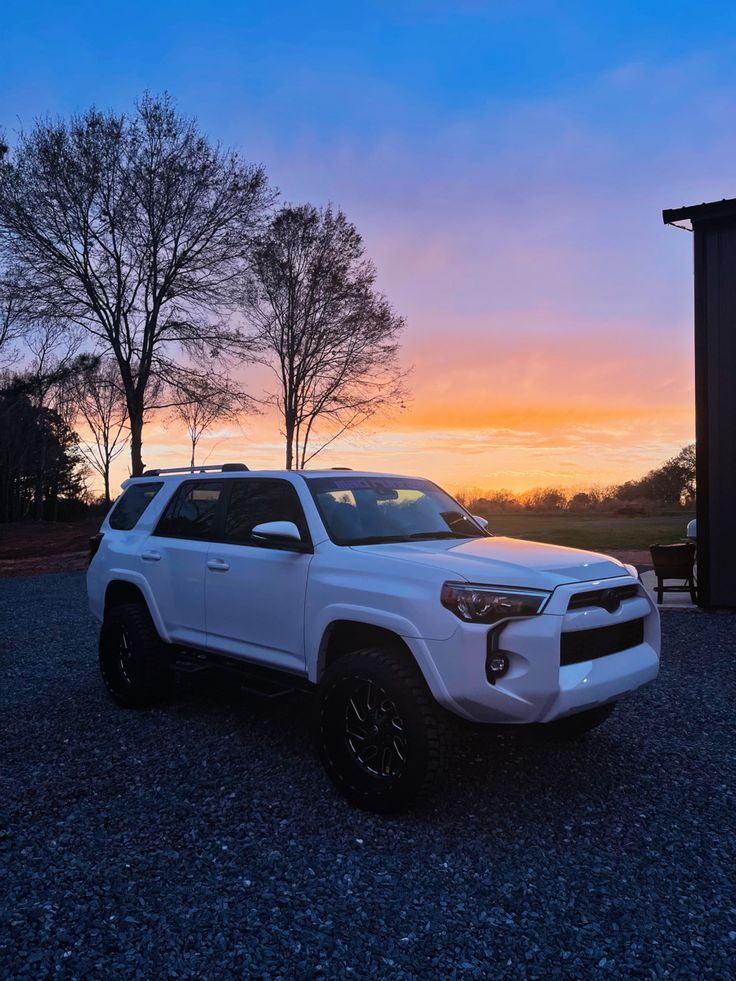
[(341, 468), (222, 467)]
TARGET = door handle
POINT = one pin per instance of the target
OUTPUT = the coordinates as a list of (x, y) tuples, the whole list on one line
[(151, 556), (218, 565)]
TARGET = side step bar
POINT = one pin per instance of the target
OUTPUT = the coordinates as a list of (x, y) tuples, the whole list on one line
[(255, 679)]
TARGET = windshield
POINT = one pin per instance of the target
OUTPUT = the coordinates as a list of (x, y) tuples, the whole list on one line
[(371, 510)]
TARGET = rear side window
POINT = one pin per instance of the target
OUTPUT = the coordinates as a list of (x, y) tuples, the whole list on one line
[(254, 501), (132, 504), (191, 511)]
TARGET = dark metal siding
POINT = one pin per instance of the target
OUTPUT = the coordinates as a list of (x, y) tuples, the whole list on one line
[(715, 396)]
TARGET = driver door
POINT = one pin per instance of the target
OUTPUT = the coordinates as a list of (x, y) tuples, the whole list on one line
[(255, 591)]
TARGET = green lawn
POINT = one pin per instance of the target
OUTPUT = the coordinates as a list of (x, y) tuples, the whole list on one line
[(599, 532)]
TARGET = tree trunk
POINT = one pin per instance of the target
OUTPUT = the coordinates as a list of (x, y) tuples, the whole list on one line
[(289, 427), (135, 420), (41, 479), (106, 478)]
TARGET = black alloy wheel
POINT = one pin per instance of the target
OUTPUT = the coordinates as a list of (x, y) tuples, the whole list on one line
[(379, 732), (374, 730)]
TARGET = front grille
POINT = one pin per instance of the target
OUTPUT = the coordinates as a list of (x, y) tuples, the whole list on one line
[(608, 599), (586, 645)]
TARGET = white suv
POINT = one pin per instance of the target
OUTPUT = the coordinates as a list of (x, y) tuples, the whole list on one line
[(382, 594)]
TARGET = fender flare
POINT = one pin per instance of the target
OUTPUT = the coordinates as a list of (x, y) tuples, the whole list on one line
[(140, 582), (404, 629)]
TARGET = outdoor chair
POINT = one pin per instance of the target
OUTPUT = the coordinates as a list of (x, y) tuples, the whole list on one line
[(675, 562)]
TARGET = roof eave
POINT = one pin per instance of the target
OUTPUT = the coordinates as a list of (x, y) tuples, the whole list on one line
[(711, 211)]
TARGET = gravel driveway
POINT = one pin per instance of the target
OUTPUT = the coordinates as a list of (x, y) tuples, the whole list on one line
[(202, 839)]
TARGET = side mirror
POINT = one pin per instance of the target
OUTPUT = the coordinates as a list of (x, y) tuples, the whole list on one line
[(481, 521), (277, 533)]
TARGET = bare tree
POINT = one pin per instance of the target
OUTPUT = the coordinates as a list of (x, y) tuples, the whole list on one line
[(100, 404), (13, 318), (218, 399), (52, 358), (136, 229), (322, 326)]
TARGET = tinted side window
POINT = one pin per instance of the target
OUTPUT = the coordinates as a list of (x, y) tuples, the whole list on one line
[(191, 512), (254, 501), (132, 504)]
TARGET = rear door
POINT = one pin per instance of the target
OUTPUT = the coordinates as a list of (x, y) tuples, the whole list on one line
[(255, 592), (174, 558)]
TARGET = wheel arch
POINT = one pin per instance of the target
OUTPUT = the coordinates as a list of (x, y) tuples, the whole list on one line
[(121, 590), (345, 634)]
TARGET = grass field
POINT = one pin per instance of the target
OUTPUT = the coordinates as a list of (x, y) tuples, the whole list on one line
[(599, 532)]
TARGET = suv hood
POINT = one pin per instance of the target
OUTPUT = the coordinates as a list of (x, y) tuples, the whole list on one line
[(504, 561)]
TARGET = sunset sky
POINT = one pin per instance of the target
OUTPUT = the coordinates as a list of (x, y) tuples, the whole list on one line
[(507, 164)]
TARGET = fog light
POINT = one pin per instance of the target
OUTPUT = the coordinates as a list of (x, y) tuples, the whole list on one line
[(497, 664)]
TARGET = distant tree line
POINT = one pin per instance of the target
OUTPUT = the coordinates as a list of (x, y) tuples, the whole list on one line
[(141, 268), (671, 485)]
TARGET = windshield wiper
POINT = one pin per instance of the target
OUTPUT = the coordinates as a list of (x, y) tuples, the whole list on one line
[(419, 535), (378, 540)]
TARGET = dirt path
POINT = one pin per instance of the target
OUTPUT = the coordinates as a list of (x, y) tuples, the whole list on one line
[(30, 548)]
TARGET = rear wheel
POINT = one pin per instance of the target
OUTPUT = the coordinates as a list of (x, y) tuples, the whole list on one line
[(379, 732), (576, 725), (132, 657)]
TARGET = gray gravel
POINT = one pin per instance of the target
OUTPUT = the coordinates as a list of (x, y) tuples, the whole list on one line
[(202, 839)]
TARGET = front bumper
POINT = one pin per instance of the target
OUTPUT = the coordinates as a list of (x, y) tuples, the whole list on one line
[(536, 687)]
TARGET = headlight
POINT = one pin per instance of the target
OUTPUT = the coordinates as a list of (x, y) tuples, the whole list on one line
[(489, 604), (632, 570)]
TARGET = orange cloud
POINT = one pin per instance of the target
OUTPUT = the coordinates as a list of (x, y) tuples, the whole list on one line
[(517, 399)]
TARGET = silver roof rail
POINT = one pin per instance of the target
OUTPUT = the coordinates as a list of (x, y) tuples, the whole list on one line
[(221, 467)]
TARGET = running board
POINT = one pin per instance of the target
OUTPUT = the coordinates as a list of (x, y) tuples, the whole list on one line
[(255, 679), (264, 688), (191, 664)]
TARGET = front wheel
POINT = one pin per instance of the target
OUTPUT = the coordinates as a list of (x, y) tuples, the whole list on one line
[(132, 657), (379, 732), (572, 726)]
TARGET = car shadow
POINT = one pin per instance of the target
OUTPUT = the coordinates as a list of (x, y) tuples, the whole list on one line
[(490, 769)]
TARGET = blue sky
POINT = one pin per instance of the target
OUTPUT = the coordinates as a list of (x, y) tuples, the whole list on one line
[(507, 164)]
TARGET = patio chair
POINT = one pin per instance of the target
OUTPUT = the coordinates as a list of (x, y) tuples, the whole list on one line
[(675, 562)]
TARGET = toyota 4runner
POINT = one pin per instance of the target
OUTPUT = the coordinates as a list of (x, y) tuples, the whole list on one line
[(380, 593)]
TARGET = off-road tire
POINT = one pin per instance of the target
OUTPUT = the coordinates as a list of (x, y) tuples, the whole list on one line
[(401, 696), (139, 676), (574, 726)]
